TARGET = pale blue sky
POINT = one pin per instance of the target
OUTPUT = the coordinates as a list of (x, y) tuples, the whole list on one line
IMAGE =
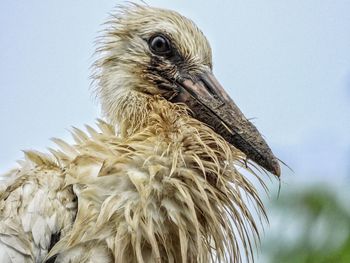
[(287, 63)]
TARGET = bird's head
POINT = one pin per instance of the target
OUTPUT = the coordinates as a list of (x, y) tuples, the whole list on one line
[(155, 53)]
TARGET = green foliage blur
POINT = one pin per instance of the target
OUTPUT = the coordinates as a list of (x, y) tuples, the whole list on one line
[(309, 225)]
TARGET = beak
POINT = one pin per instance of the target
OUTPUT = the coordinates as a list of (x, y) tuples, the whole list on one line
[(211, 104)]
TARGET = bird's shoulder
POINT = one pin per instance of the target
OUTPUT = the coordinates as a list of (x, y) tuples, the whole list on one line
[(35, 204)]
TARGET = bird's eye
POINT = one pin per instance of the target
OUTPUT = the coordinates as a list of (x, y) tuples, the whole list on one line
[(160, 45)]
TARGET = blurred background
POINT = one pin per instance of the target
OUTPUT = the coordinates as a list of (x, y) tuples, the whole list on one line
[(285, 63)]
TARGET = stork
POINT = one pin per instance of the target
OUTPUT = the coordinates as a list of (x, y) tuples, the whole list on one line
[(160, 179)]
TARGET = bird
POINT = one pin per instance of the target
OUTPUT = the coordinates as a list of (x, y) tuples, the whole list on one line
[(164, 175)]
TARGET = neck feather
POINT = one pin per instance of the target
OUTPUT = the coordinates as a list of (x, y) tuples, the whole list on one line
[(166, 188)]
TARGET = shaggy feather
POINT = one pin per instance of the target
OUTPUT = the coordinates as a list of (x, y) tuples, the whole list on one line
[(167, 193)]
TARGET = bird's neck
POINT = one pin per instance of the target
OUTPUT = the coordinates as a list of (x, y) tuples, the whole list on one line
[(132, 111)]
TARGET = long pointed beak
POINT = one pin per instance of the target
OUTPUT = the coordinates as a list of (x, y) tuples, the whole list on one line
[(211, 104)]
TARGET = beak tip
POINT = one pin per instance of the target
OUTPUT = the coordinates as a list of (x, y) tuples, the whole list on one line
[(275, 168)]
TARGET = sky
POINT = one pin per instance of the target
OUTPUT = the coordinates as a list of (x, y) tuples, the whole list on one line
[(286, 63)]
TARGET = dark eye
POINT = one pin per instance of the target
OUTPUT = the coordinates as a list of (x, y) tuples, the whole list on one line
[(160, 45)]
